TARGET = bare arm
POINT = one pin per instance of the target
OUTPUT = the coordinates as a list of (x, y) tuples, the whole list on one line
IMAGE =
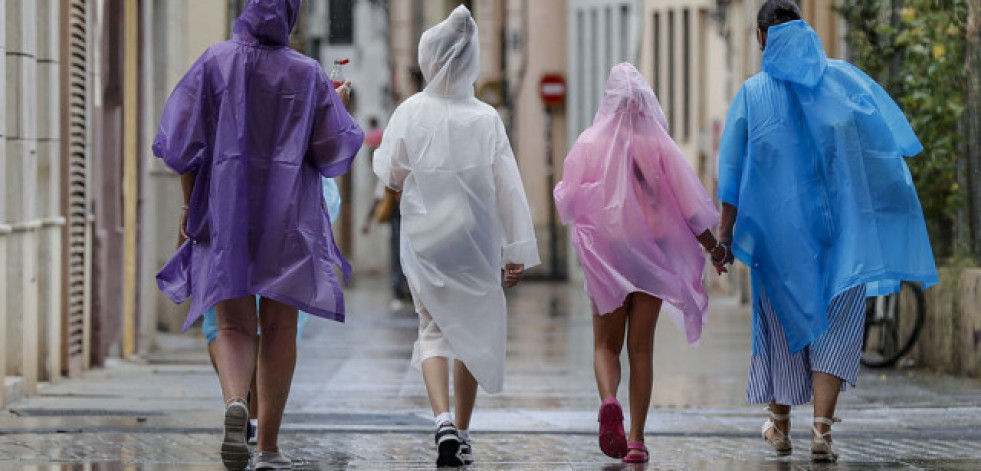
[(718, 253), (187, 188), (727, 221), (725, 229)]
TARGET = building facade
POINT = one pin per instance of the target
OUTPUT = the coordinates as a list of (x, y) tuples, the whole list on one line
[(357, 30), (89, 215), (32, 217)]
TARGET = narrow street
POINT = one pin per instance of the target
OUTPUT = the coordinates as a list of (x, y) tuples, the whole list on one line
[(356, 403)]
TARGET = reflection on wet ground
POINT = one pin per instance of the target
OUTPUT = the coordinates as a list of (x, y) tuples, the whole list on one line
[(357, 404)]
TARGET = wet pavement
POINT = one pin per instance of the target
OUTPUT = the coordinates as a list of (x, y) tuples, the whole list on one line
[(357, 404)]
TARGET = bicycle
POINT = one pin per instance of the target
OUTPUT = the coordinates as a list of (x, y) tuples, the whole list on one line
[(892, 324)]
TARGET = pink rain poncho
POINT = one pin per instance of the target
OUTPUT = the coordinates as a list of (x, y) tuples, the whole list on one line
[(464, 211), (636, 205), (259, 124)]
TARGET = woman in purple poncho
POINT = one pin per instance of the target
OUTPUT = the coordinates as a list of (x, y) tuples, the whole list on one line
[(251, 128)]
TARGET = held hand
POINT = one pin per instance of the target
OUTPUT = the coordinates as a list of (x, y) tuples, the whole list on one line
[(344, 92), (720, 255), (720, 268), (512, 274)]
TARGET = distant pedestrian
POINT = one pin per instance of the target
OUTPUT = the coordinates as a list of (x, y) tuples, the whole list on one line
[(464, 218), (384, 210), (252, 127), (638, 214), (812, 179)]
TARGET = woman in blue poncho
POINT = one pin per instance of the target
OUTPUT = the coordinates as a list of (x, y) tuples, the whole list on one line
[(819, 204)]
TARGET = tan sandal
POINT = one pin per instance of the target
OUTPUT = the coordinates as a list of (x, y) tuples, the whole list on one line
[(780, 441), (821, 449)]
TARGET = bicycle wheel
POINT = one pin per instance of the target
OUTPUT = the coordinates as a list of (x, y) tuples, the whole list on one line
[(892, 324)]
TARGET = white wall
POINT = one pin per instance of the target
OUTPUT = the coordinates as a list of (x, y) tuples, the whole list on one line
[(370, 74)]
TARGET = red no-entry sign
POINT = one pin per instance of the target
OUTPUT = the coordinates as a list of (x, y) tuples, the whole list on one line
[(552, 89)]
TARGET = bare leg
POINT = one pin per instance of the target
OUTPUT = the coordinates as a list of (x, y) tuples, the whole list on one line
[(235, 346), (277, 359), (464, 394), (781, 425), (253, 395), (436, 374), (826, 389), (211, 354), (254, 387), (608, 333), (642, 320)]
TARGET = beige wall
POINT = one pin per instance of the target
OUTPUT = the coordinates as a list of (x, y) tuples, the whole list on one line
[(404, 46), (31, 216), (543, 34), (176, 32), (686, 84)]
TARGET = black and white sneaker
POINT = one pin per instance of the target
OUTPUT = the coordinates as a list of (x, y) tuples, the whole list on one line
[(466, 452), (448, 445), (252, 433)]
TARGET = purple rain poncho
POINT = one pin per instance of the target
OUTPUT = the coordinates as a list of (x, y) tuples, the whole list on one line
[(258, 124), (636, 205)]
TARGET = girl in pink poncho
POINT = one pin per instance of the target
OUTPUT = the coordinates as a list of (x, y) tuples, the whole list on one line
[(638, 213)]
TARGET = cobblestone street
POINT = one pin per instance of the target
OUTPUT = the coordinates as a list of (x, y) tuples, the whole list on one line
[(356, 403)]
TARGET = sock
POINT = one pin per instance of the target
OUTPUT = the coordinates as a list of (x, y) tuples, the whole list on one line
[(464, 434), (444, 418)]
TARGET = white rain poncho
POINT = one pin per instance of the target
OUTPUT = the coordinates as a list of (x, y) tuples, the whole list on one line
[(464, 211)]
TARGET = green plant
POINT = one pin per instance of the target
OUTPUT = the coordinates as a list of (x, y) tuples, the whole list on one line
[(916, 50)]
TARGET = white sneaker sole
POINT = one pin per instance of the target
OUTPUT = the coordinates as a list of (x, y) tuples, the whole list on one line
[(234, 451)]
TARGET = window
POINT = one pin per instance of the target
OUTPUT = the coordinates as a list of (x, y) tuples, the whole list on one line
[(624, 31), (580, 60), (341, 21), (686, 74), (657, 54), (451, 4), (593, 89), (672, 101), (608, 38)]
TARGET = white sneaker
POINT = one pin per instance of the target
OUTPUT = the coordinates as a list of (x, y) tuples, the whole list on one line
[(234, 450), (271, 460)]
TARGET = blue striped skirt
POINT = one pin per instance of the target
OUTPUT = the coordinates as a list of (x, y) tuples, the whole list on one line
[(777, 376)]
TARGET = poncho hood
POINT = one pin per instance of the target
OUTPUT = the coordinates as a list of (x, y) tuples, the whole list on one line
[(267, 22), (794, 53), (628, 92), (449, 55)]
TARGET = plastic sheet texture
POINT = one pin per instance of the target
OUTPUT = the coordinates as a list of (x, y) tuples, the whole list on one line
[(259, 125), (812, 157), (636, 206), (464, 211)]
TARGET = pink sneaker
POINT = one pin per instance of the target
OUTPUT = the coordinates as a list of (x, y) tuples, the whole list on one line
[(612, 440)]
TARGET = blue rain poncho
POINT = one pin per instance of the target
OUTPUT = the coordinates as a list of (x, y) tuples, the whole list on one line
[(812, 157)]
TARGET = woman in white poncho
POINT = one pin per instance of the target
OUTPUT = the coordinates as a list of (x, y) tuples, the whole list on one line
[(464, 218)]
